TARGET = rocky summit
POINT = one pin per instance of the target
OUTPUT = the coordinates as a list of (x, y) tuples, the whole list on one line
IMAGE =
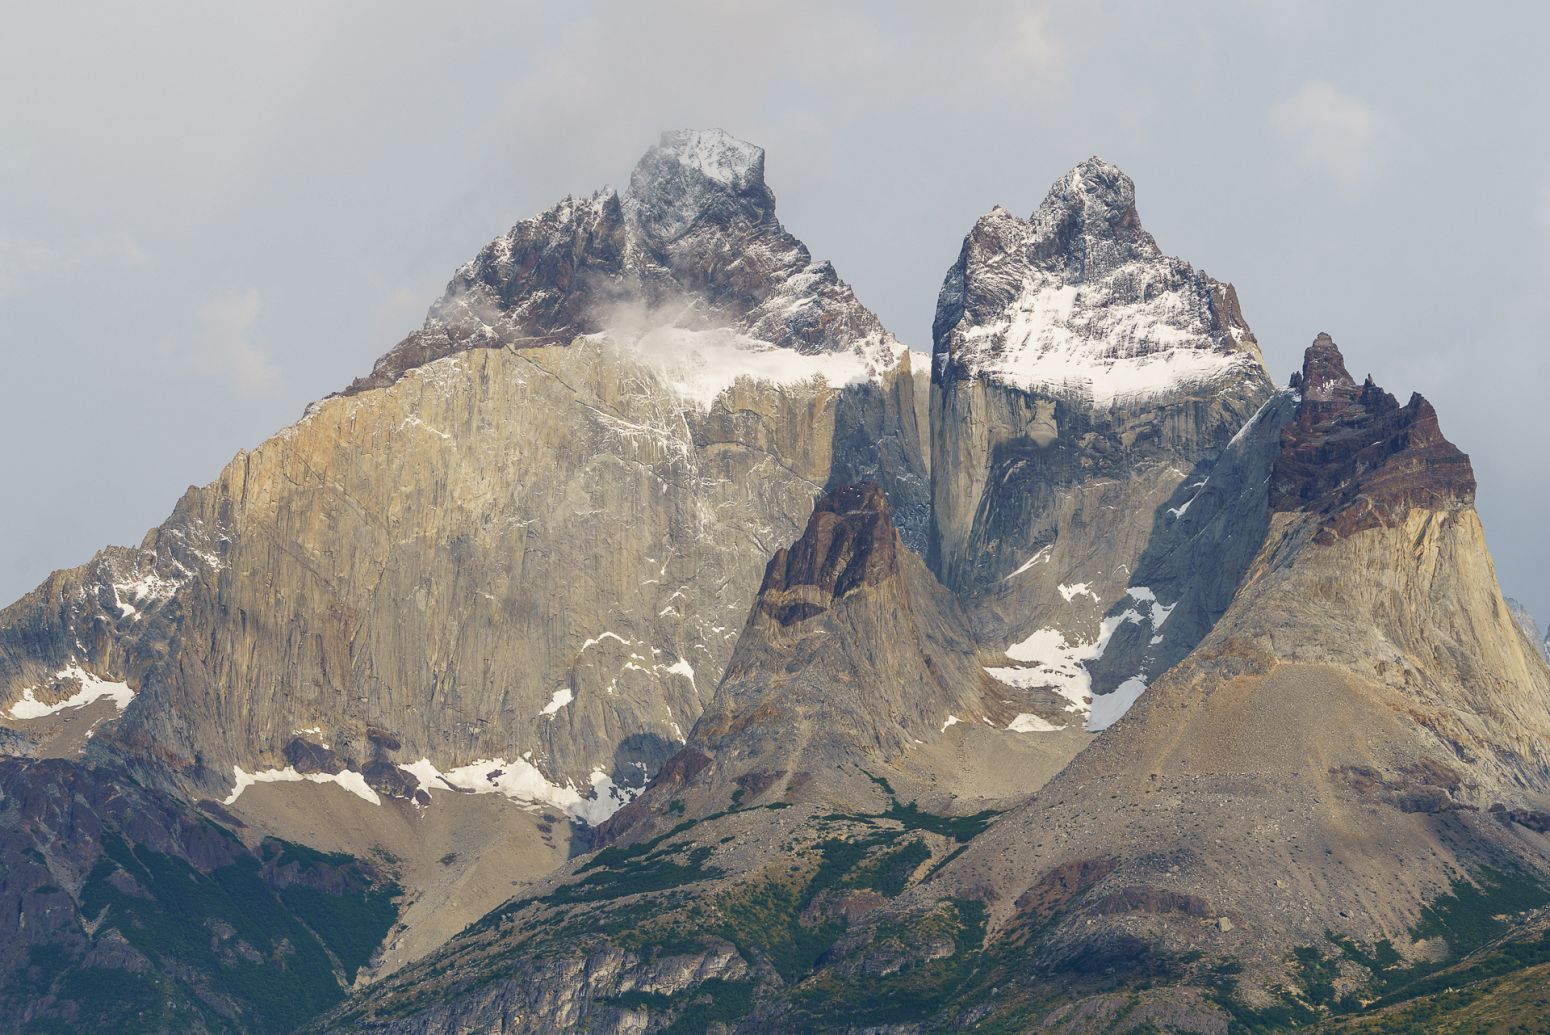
[(647, 644)]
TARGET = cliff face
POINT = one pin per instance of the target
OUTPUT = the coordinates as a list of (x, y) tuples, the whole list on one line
[(1083, 383), (526, 542), (1068, 349)]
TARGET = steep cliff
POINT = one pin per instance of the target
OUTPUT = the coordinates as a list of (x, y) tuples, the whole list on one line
[(517, 555), (1081, 381)]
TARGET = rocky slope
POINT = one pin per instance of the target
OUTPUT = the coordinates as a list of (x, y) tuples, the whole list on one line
[(1353, 754), (854, 729), (856, 672), (524, 545), (1082, 381), (122, 909)]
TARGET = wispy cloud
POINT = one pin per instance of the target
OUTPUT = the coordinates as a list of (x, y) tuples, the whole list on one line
[(27, 265), (1334, 134), (228, 325)]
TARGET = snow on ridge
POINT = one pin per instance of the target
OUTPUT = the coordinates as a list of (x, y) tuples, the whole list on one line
[(714, 153), (1125, 324), (92, 689)]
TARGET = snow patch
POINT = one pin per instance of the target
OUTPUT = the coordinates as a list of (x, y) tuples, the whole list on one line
[(1077, 589), (1050, 661), (92, 689), (522, 782), (561, 698), (1107, 708), (350, 780), (1042, 555), (680, 668), (1027, 722), (952, 720)]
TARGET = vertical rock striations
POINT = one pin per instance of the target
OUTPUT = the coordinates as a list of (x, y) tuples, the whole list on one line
[(527, 540), (1082, 381)]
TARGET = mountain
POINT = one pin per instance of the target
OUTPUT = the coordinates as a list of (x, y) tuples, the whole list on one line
[(513, 559), (855, 729), (1335, 789), (856, 671), (1082, 381), (664, 372), (1345, 783), (614, 658)]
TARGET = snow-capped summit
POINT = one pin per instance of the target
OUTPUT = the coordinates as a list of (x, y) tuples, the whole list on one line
[(1077, 302), (693, 243), (695, 177)]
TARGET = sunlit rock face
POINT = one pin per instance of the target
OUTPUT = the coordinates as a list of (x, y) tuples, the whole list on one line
[(527, 541)]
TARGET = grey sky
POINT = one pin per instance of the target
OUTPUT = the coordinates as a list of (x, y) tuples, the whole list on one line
[(210, 217)]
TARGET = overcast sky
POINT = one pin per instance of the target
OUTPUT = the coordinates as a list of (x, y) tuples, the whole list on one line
[(212, 214)]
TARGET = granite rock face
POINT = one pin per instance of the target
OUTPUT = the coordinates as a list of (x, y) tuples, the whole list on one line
[(1530, 626), (855, 663), (1084, 384), (528, 539), (1067, 350)]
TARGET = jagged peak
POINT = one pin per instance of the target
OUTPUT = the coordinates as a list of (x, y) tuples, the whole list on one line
[(712, 153), (1356, 458), (694, 177), (1088, 220), (1099, 189), (1324, 374)]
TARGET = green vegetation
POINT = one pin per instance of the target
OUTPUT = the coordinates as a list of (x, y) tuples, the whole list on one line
[(1468, 918), (635, 876), (920, 989), (264, 940)]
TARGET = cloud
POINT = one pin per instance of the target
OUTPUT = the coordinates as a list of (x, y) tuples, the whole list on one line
[(29, 265), (1028, 44), (1334, 134), (228, 325)]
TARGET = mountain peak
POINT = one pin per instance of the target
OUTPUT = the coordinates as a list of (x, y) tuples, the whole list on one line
[(849, 543), (1323, 373), (1088, 220), (695, 177), (1357, 458), (712, 153)]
